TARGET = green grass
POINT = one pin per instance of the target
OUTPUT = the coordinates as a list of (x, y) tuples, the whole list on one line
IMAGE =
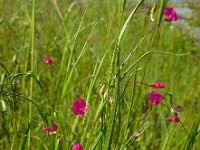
[(130, 48)]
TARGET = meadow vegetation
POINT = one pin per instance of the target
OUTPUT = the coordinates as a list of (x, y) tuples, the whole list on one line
[(78, 74)]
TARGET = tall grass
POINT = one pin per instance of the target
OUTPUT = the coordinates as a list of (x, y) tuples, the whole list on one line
[(106, 73), (32, 68)]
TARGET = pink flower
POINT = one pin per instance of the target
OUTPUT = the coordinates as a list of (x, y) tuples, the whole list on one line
[(158, 85), (94, 39), (79, 107), (170, 14), (77, 147), (174, 119), (48, 60), (51, 130), (155, 98)]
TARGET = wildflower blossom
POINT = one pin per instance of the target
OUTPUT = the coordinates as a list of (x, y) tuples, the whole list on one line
[(77, 147), (158, 85), (51, 130), (155, 98), (94, 39), (170, 14), (174, 119), (79, 107), (48, 60)]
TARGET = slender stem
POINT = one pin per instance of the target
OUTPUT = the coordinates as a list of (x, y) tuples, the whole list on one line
[(139, 127), (139, 83), (148, 53), (130, 111), (147, 117), (32, 66), (133, 50), (184, 128), (57, 9), (134, 135), (165, 106), (4, 68)]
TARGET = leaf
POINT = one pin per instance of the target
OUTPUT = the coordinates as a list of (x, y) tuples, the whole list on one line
[(127, 21), (57, 144), (3, 67), (96, 141), (44, 117), (139, 139), (2, 106), (29, 73), (124, 4), (2, 80), (25, 137), (192, 135)]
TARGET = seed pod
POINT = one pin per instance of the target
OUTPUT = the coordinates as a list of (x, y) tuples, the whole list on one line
[(2, 106), (137, 134), (178, 108), (153, 12), (110, 100), (14, 60), (101, 91)]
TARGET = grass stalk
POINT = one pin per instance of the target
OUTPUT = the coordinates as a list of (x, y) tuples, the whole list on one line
[(151, 52), (32, 67)]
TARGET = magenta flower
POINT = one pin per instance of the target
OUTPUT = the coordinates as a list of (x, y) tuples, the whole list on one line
[(170, 14), (48, 60), (174, 119), (51, 130), (94, 39), (158, 85), (79, 107), (155, 98), (77, 147)]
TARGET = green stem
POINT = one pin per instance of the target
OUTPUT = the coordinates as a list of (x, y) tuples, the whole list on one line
[(146, 54), (32, 66)]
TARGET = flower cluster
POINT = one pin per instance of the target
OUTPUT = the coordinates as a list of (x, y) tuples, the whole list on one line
[(78, 108), (156, 98), (51, 130)]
